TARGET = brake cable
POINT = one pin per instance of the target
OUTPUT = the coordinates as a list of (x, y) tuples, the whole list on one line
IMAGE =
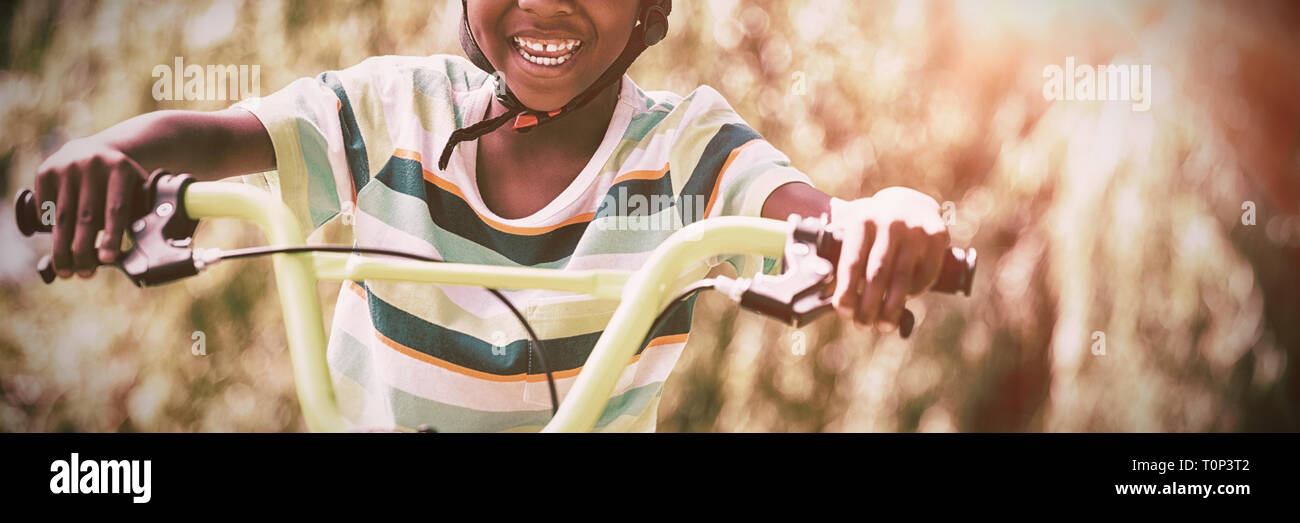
[(206, 257), (162, 252)]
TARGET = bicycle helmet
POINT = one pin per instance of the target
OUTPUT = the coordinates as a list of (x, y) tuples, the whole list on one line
[(651, 28)]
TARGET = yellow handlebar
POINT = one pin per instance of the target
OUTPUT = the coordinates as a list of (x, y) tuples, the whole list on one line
[(646, 290)]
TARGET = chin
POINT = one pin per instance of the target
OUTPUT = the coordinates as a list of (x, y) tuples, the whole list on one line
[(543, 94), (543, 102)]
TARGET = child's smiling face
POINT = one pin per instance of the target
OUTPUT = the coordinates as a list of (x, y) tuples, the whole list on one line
[(551, 50)]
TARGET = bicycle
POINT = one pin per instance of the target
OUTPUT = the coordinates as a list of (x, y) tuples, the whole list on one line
[(162, 251)]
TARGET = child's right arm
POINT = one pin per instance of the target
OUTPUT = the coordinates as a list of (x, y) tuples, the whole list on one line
[(93, 180)]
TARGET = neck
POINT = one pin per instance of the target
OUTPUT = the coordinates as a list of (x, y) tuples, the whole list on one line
[(577, 133)]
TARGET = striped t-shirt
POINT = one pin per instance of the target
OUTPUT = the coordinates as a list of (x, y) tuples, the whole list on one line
[(356, 153)]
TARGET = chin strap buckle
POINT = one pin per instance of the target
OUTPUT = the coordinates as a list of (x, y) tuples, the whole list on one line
[(528, 121)]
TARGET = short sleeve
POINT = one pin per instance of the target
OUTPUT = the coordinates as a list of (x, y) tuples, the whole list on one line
[(320, 140), (731, 167)]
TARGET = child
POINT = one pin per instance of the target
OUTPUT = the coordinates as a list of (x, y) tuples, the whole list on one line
[(429, 154)]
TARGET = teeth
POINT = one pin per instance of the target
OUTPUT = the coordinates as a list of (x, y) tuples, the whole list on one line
[(567, 45), (543, 60)]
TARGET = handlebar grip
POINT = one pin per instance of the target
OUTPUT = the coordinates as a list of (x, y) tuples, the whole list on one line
[(46, 268), (955, 275), (160, 231), (27, 214), (906, 323)]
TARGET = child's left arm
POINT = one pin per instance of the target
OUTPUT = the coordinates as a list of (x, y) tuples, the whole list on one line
[(893, 247)]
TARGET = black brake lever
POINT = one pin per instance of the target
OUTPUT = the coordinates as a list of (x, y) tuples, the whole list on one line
[(799, 294)]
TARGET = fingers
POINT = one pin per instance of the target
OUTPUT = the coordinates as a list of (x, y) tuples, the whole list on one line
[(901, 255), (92, 187), (65, 222), (930, 263), (851, 268), (117, 215), (90, 220), (880, 261), (47, 190), (899, 282)]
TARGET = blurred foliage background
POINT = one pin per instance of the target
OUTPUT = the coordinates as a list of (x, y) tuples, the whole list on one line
[(1089, 217)]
